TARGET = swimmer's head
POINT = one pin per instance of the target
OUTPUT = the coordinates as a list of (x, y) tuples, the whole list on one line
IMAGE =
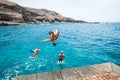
[(54, 43), (32, 50)]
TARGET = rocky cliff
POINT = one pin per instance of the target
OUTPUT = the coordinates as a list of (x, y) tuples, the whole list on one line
[(14, 14)]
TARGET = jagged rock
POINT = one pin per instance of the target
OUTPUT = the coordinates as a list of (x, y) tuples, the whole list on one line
[(12, 12), (8, 23)]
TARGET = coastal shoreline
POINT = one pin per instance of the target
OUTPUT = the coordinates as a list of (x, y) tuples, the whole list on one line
[(6, 23), (14, 14)]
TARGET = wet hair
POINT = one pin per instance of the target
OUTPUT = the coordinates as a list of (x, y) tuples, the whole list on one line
[(54, 43), (32, 50)]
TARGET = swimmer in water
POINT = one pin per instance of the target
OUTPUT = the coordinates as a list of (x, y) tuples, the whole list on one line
[(61, 57), (35, 52)]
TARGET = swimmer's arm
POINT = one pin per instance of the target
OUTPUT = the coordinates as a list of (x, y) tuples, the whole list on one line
[(58, 55), (46, 40), (51, 36), (57, 35), (64, 56)]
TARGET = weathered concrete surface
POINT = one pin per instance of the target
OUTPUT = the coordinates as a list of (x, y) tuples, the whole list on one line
[(105, 71)]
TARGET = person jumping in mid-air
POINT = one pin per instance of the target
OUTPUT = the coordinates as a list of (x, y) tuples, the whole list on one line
[(53, 37)]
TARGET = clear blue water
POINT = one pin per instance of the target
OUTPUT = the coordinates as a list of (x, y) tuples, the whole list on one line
[(83, 45)]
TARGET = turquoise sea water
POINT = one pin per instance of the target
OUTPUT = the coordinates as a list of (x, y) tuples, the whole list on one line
[(83, 45)]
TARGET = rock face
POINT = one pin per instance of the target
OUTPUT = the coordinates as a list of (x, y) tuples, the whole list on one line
[(12, 13)]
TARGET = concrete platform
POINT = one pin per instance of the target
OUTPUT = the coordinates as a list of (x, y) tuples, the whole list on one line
[(105, 71)]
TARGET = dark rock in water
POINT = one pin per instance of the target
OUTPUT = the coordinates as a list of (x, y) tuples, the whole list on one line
[(8, 23), (14, 14)]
